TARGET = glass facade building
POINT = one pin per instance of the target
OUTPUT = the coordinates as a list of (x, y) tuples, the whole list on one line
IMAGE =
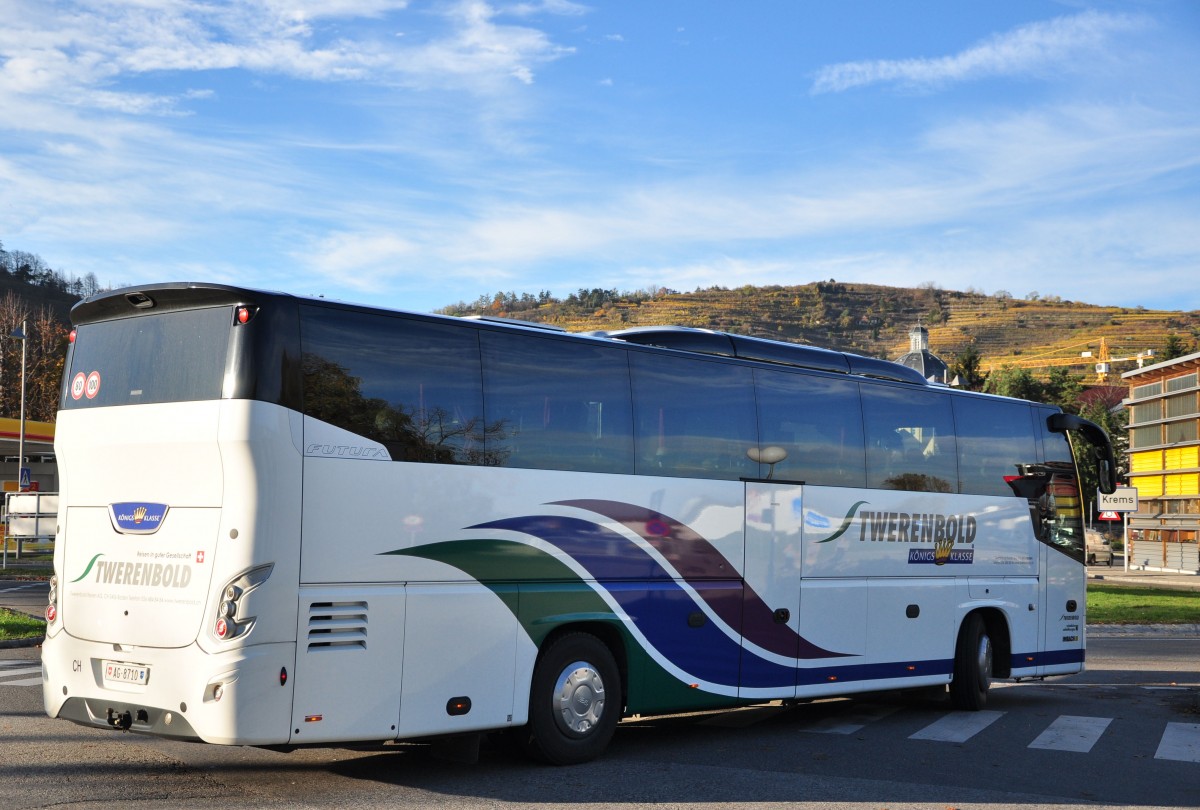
[(1164, 464)]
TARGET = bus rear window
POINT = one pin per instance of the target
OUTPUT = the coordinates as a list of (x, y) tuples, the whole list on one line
[(169, 357)]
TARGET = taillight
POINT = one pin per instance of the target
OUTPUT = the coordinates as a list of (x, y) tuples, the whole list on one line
[(231, 620), (52, 600)]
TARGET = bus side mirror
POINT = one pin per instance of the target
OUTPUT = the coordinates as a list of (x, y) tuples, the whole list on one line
[(1106, 464)]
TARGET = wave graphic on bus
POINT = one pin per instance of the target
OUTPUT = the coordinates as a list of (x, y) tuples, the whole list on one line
[(653, 593)]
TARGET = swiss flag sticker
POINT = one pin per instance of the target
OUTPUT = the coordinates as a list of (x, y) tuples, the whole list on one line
[(199, 556)]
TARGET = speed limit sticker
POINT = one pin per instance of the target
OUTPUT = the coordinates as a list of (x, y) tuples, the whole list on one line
[(92, 387), (77, 384)]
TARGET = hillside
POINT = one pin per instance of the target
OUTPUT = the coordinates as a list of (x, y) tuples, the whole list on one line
[(59, 302), (875, 320)]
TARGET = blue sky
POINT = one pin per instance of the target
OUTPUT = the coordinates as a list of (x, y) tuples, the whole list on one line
[(417, 154)]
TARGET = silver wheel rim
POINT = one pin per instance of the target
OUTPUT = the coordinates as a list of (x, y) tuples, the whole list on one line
[(579, 698), (985, 661)]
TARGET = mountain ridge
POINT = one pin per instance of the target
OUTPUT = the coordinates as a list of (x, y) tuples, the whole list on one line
[(1035, 333)]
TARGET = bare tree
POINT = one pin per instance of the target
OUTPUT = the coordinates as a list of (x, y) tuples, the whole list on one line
[(45, 351)]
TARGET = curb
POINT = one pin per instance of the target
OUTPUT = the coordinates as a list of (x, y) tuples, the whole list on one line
[(15, 643), (1143, 631)]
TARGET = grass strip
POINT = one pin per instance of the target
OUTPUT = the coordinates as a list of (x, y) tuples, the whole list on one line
[(1115, 604), (18, 625)]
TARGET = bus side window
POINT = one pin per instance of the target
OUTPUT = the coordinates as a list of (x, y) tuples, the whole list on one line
[(562, 406), (995, 441), (412, 386), (693, 418), (910, 439), (817, 422)]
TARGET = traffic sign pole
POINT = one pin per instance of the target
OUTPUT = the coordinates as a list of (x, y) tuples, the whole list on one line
[(1122, 500)]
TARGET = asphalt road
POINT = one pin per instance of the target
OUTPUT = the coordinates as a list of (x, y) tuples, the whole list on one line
[(1126, 733)]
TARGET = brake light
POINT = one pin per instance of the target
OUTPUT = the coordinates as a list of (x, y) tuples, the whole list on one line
[(52, 600), (232, 620)]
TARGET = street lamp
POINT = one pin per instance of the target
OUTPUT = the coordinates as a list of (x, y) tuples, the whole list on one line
[(19, 334)]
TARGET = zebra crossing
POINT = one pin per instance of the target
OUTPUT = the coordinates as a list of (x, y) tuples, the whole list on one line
[(1180, 741), (20, 673)]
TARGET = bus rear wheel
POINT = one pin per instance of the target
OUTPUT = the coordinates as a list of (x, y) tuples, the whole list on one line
[(972, 665), (574, 701)]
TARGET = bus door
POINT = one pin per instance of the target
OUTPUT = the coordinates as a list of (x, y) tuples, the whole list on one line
[(771, 597), (1064, 594)]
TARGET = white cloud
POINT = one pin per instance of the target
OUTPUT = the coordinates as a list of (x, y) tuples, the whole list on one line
[(80, 51), (1027, 50), (360, 260)]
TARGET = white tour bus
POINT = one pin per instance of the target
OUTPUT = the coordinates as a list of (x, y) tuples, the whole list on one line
[(287, 521)]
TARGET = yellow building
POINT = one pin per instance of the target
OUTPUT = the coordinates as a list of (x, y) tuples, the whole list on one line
[(1164, 463)]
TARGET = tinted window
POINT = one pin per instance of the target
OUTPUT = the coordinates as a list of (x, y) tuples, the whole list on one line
[(817, 424), (558, 405), (994, 439), (413, 386), (169, 357), (910, 439), (693, 418)]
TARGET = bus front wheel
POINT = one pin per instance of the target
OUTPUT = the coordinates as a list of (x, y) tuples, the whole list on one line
[(574, 701), (972, 665)]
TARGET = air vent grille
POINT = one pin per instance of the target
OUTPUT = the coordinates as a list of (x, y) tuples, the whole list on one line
[(337, 625)]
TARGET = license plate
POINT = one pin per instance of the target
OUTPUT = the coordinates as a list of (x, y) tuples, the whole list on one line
[(117, 672)]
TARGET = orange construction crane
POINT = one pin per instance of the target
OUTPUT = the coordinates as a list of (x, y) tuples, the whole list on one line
[(1102, 360), (1105, 360)]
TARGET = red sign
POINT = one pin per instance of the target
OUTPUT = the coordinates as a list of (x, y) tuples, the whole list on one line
[(1108, 516)]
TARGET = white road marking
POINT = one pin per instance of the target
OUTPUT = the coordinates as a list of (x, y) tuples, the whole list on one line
[(957, 727), (1180, 742), (1071, 733), (851, 722)]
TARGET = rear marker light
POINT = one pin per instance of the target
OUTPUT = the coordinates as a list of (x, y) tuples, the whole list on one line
[(221, 628), (71, 337), (283, 676), (243, 315), (313, 718)]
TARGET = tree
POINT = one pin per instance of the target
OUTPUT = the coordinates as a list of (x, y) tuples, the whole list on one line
[(45, 350), (1062, 388), (1114, 421), (966, 367), (1014, 382), (1175, 347)]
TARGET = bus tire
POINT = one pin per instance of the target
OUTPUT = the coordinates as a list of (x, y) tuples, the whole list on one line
[(972, 665), (574, 701)]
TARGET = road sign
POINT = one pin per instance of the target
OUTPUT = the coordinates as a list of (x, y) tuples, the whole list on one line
[(26, 478), (1123, 499), (1108, 516)]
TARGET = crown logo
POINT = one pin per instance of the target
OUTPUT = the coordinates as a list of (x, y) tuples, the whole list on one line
[(941, 550), (139, 514)]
